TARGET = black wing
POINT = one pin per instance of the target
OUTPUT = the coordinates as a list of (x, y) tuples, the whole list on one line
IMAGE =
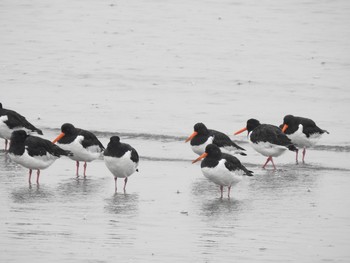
[(134, 156), (90, 139), (17, 120), (269, 133), (310, 127), (39, 146), (233, 164), (222, 140)]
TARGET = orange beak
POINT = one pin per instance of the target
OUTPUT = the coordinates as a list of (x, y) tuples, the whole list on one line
[(58, 137), (285, 127), (200, 157), (240, 131), (192, 136)]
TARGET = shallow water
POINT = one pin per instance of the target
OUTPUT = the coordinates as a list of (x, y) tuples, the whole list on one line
[(149, 71)]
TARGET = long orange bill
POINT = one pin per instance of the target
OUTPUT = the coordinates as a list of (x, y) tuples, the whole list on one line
[(58, 137), (200, 157), (285, 127), (240, 131), (192, 136)]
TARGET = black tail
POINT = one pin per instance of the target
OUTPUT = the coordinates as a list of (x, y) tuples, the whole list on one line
[(247, 172), (60, 152), (68, 153), (39, 131), (292, 147), (244, 154)]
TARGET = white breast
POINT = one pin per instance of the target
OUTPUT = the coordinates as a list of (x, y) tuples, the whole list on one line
[(300, 140), (36, 162), (5, 132), (200, 149), (267, 148), (220, 175), (121, 167), (79, 152)]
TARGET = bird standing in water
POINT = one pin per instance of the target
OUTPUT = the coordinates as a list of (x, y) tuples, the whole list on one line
[(83, 144), (121, 159), (221, 168), (33, 152), (303, 132), (12, 121), (202, 136), (267, 140)]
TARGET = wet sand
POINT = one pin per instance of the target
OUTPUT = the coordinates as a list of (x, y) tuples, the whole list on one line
[(171, 212)]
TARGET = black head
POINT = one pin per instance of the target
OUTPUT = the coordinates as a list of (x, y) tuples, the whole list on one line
[(288, 119), (0, 105), (213, 151), (252, 124), (114, 139), (68, 128), (18, 136), (200, 128)]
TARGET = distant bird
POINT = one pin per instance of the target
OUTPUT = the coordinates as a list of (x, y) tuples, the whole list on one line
[(83, 144), (221, 168), (121, 159), (202, 136), (303, 132), (12, 121), (267, 140), (33, 152)]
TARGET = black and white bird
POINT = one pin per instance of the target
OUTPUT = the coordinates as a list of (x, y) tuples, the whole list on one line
[(121, 159), (221, 168), (202, 136), (268, 140), (83, 144), (12, 121), (303, 132), (33, 152)]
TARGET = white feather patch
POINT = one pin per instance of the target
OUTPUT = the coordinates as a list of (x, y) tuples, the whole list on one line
[(300, 140), (36, 162), (220, 175), (121, 167), (79, 152), (200, 149)]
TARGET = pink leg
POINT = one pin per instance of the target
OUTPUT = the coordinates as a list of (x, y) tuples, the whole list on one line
[(37, 176), (85, 165), (30, 176), (125, 181), (274, 167), (268, 159), (304, 152), (115, 184), (222, 191), (77, 173), (229, 190), (296, 156)]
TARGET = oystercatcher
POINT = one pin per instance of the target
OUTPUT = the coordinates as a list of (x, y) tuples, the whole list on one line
[(83, 144), (121, 159), (202, 136), (221, 168), (303, 132), (267, 140), (12, 121), (33, 152)]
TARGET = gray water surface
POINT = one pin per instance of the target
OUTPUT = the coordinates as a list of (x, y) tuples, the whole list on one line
[(148, 71)]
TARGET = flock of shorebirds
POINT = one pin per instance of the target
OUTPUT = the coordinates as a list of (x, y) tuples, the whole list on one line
[(215, 149)]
